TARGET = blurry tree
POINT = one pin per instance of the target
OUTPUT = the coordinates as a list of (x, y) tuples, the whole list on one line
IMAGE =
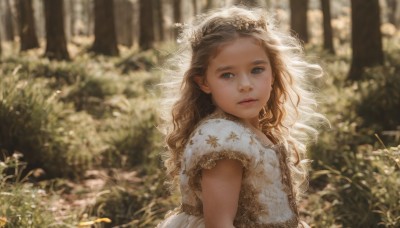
[(56, 43), (27, 33), (124, 22), (39, 19), (177, 8), (211, 4), (68, 14), (159, 15), (366, 37), (195, 7), (105, 37), (8, 21), (251, 3), (0, 45), (73, 16), (392, 7), (88, 20), (328, 38), (298, 19), (146, 34)]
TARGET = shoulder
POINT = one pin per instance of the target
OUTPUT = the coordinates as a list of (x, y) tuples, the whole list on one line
[(219, 138), (219, 134), (219, 127)]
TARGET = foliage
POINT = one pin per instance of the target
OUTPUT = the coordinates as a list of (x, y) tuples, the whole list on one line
[(380, 98), (143, 61), (36, 124), (59, 73), (24, 205), (353, 184), (89, 94), (140, 204), (132, 137)]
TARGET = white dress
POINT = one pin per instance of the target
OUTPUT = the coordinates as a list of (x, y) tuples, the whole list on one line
[(266, 198)]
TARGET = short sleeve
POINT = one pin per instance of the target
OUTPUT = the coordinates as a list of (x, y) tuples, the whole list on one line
[(217, 139)]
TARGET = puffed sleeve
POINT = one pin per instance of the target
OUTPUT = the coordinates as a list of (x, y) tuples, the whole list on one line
[(217, 139)]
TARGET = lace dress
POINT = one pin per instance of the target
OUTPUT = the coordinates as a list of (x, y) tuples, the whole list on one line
[(266, 198)]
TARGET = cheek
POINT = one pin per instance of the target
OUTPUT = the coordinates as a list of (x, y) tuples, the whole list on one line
[(267, 88), (267, 83)]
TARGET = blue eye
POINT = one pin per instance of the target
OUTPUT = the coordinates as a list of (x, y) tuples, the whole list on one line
[(257, 70), (227, 75)]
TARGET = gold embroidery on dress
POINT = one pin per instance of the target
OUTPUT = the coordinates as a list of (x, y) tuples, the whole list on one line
[(286, 179), (192, 210), (249, 208), (212, 141), (232, 137), (252, 141)]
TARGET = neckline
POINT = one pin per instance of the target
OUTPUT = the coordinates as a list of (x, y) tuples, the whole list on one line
[(227, 116)]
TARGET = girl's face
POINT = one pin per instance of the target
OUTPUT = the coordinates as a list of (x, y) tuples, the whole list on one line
[(239, 79)]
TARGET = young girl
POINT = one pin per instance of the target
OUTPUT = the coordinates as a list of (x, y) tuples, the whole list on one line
[(236, 137)]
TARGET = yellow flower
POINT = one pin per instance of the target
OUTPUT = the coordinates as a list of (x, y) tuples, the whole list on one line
[(3, 221), (89, 223)]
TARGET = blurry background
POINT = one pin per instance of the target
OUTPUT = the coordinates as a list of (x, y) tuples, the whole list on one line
[(79, 144)]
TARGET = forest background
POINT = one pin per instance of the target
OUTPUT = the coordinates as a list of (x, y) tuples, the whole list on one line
[(78, 109)]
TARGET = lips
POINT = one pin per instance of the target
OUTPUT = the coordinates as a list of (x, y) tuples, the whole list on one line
[(247, 101)]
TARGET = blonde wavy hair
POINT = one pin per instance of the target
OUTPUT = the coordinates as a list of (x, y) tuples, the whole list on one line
[(287, 114)]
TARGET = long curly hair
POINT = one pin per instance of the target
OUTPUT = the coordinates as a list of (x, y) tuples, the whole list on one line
[(287, 114)]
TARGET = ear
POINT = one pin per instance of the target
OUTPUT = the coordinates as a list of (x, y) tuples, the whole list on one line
[(202, 83)]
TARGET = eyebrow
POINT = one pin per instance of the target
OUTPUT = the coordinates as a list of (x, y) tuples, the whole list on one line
[(261, 61), (223, 68), (256, 62)]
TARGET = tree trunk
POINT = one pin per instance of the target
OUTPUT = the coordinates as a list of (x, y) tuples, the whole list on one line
[(366, 40), (8, 22), (250, 3), (88, 17), (177, 16), (328, 38), (0, 45), (210, 4), (56, 47), (67, 19), (105, 38), (27, 34), (40, 23), (195, 8), (73, 17), (392, 7), (124, 22), (298, 19), (160, 20), (146, 34), (136, 22)]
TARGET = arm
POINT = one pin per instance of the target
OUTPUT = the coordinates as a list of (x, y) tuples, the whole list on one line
[(220, 192)]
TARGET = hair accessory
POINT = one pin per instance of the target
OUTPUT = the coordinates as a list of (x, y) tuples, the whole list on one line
[(240, 24)]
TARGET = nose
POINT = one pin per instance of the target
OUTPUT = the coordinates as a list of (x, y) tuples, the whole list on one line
[(245, 83)]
